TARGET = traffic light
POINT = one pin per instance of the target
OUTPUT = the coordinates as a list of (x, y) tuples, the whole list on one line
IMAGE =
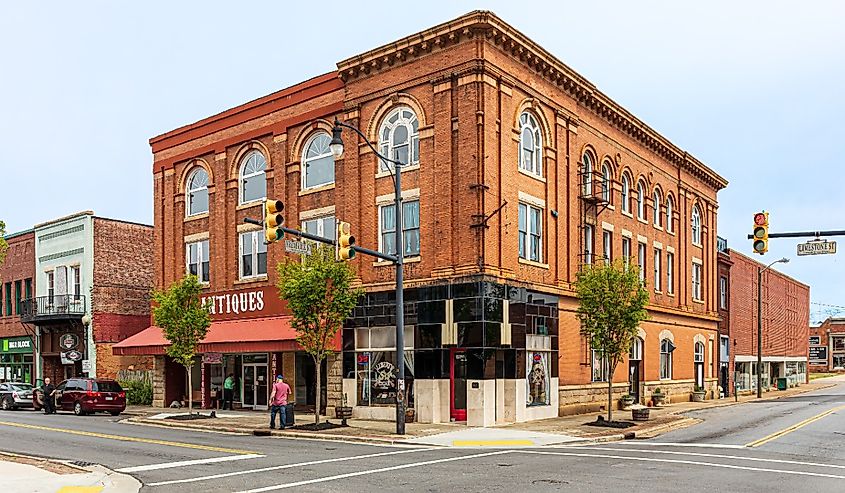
[(344, 242), (273, 220), (761, 233)]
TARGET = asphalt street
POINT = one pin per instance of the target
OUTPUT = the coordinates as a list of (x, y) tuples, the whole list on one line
[(795, 444)]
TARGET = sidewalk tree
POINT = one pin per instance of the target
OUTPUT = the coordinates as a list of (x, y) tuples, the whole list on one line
[(319, 294), (4, 247), (184, 319), (612, 302)]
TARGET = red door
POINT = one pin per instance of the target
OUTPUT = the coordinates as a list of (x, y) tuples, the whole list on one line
[(458, 384)]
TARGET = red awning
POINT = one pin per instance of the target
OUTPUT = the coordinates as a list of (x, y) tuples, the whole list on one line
[(256, 335)]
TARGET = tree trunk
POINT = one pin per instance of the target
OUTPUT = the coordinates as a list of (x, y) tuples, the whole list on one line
[(190, 391), (319, 391), (610, 396)]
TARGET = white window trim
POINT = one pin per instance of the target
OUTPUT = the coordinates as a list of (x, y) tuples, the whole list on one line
[(604, 367), (383, 168), (641, 214), (538, 131), (317, 213), (304, 163), (390, 198), (321, 225), (540, 254), (723, 292), (670, 208), (391, 203), (660, 363), (532, 200), (199, 258), (256, 238), (607, 245), (242, 177), (189, 191), (670, 272), (697, 282), (658, 270), (589, 243), (697, 242), (625, 184)]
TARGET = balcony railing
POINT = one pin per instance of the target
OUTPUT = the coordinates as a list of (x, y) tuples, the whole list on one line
[(56, 307)]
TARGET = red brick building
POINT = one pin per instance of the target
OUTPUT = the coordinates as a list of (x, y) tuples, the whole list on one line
[(518, 171), (724, 309), (16, 284), (827, 346), (786, 314)]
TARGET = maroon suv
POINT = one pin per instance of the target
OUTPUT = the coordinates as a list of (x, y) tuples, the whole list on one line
[(89, 395)]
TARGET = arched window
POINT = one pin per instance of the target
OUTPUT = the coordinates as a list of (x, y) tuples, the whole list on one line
[(399, 137), (317, 162), (670, 204), (641, 200), (253, 181), (636, 352), (197, 192), (605, 182), (587, 174), (666, 348), (699, 352), (658, 219), (696, 225), (530, 144), (626, 193)]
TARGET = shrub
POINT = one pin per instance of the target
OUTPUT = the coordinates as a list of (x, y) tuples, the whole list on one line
[(138, 392)]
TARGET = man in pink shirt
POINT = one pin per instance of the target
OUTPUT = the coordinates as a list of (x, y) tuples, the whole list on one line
[(279, 402)]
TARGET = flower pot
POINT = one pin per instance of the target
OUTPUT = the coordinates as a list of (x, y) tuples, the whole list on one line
[(658, 399), (409, 415), (626, 401), (698, 396), (640, 413)]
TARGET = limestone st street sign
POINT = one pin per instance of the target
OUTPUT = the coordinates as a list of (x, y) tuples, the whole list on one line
[(817, 247), (298, 246)]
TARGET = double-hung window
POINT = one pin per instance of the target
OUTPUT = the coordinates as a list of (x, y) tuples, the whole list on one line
[(666, 348), (588, 244), (607, 245), (76, 282), (626, 251), (670, 272), (530, 232), (641, 261), (321, 226), (600, 367), (253, 257), (197, 260), (723, 293), (696, 282), (657, 263), (410, 228)]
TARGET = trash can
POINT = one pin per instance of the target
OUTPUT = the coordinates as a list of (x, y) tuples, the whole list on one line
[(289, 415), (781, 383)]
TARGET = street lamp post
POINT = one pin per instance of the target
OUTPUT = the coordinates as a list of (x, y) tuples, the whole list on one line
[(760, 272), (336, 147)]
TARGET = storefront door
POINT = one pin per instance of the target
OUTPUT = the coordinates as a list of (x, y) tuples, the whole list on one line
[(634, 379), (699, 375), (458, 384), (254, 385)]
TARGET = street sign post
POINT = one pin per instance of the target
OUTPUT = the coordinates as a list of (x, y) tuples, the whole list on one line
[(299, 247), (817, 247)]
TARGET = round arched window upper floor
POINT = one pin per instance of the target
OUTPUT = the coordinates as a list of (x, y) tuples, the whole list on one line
[(699, 352), (317, 162), (530, 144), (626, 193), (606, 182), (587, 174), (253, 182), (636, 351), (695, 221), (670, 205), (197, 192), (656, 216), (399, 137), (641, 200)]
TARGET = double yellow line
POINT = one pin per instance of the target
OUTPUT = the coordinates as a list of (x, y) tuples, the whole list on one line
[(796, 426)]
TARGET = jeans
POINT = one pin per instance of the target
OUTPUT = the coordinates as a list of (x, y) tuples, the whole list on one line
[(228, 395), (283, 415)]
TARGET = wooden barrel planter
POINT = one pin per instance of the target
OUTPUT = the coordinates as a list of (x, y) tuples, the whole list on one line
[(640, 413)]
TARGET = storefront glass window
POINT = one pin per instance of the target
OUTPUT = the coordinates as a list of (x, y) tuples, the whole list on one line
[(838, 343), (375, 377), (538, 378)]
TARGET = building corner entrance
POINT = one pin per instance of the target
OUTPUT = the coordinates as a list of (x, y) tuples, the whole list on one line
[(458, 384)]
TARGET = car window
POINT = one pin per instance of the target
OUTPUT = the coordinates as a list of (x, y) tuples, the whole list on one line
[(3, 387), (21, 386), (61, 386), (107, 386)]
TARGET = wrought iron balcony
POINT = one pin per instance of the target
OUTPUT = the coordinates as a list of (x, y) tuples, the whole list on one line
[(54, 308)]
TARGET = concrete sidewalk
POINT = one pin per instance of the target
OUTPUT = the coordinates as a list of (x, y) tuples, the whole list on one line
[(36, 475), (564, 429)]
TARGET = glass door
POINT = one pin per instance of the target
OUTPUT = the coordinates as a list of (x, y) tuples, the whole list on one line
[(248, 388), (458, 374), (261, 387)]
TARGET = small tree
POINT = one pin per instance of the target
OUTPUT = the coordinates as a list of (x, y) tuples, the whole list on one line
[(4, 247), (185, 321), (612, 305), (320, 297)]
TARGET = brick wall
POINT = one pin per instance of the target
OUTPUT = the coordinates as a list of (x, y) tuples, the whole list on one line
[(831, 326), (108, 364), (18, 266)]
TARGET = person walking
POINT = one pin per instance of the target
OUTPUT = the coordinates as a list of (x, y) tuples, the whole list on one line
[(279, 402), (49, 399), (228, 391)]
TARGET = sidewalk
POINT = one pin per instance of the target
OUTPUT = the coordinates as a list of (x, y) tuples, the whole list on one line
[(565, 429), (32, 474)]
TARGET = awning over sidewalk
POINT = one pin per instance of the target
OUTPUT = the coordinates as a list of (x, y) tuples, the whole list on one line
[(256, 335)]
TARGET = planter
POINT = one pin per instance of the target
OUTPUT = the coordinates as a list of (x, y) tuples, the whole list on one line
[(698, 396), (409, 415), (626, 401), (640, 413), (658, 399)]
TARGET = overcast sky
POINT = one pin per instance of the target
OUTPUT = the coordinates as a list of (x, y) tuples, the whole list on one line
[(753, 89)]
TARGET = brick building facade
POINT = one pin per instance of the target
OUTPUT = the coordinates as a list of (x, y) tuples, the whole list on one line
[(827, 346), (16, 284), (518, 172), (786, 315)]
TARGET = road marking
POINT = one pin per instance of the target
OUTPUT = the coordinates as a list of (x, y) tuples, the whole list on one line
[(492, 443), (128, 439), (374, 471), (695, 445), (720, 456), (286, 466), (686, 462), (183, 463), (790, 429)]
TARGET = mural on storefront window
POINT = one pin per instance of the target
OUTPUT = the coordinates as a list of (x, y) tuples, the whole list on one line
[(538, 379), (376, 377)]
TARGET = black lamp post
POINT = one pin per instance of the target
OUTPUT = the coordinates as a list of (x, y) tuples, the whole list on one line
[(760, 271), (336, 147)]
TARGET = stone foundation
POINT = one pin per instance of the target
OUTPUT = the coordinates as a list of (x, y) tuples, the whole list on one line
[(588, 398)]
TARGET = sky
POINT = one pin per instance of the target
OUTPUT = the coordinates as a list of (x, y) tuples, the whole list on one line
[(752, 89)]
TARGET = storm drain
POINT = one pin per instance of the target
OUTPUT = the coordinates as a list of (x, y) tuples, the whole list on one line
[(82, 463)]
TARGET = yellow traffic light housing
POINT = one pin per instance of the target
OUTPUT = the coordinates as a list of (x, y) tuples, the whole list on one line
[(760, 242), (273, 220), (344, 242)]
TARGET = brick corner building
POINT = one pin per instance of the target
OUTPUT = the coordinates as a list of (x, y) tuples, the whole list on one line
[(517, 173), (827, 346), (17, 275)]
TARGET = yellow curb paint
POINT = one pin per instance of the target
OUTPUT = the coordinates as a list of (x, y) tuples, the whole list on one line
[(128, 439), (80, 489), (790, 429), (491, 443)]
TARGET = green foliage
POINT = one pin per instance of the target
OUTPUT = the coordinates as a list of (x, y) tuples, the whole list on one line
[(184, 319), (138, 392), (4, 247), (320, 296), (612, 302)]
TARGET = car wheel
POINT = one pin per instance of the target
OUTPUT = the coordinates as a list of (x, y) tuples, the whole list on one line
[(5, 404), (114, 413), (77, 409)]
